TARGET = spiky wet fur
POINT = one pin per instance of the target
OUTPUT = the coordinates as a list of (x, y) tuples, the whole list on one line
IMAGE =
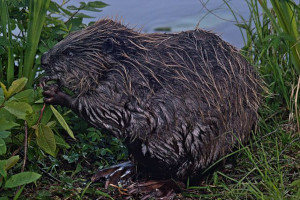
[(181, 101)]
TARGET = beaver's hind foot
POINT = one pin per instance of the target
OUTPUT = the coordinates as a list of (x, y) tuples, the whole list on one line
[(154, 189), (120, 173), (124, 175)]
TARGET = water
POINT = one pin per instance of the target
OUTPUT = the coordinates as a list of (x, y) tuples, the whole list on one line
[(179, 15)]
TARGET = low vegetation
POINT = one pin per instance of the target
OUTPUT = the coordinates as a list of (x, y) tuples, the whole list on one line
[(48, 153)]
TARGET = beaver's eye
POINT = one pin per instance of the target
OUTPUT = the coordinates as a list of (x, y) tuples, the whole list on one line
[(68, 52)]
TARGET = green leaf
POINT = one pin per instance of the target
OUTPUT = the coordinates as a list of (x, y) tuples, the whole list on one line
[(3, 198), (6, 125), (2, 147), (21, 179), (41, 100), (32, 119), (66, 11), (7, 116), (51, 124), (72, 7), (62, 122), (16, 86), (97, 4), (61, 142), (18, 193), (53, 7), (81, 15), (4, 134), (47, 114), (1, 96), (11, 162), (4, 89), (19, 109), (91, 9), (46, 139), (2, 50), (74, 24), (2, 168), (24, 96)]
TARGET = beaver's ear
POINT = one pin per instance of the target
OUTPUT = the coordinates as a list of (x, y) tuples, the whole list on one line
[(108, 45)]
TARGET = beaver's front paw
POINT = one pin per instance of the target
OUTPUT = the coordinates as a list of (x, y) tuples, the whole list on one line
[(53, 95)]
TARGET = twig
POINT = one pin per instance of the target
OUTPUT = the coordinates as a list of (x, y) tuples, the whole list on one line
[(25, 146), (25, 153), (41, 115), (73, 15), (50, 175)]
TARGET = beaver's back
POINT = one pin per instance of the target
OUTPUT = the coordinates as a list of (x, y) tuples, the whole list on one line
[(200, 94)]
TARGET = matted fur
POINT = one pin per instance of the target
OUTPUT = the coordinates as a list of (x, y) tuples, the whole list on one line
[(181, 101)]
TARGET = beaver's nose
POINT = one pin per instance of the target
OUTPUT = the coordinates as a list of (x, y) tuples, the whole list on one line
[(45, 58)]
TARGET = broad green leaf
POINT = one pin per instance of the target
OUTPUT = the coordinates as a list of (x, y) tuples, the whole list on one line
[(4, 89), (47, 114), (21, 179), (4, 198), (11, 162), (16, 86), (7, 115), (24, 96), (4, 134), (32, 119), (2, 168), (6, 125), (62, 121), (2, 147), (61, 142), (19, 109), (46, 139)]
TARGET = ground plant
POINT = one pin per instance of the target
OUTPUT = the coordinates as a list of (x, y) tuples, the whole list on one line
[(47, 152)]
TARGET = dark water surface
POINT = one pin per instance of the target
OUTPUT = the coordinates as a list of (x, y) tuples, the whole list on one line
[(178, 15)]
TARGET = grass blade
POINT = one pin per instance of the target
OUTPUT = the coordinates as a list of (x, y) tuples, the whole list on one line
[(37, 15), (5, 23)]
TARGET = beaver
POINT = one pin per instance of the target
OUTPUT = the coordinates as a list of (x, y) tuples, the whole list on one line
[(180, 101)]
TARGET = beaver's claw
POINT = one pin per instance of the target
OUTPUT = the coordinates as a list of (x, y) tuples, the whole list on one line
[(115, 174), (45, 79)]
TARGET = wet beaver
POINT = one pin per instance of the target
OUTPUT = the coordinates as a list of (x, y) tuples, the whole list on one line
[(180, 101)]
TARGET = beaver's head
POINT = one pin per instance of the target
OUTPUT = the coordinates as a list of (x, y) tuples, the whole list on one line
[(80, 60)]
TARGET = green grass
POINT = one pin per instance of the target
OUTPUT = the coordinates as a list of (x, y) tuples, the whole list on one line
[(37, 14), (7, 34)]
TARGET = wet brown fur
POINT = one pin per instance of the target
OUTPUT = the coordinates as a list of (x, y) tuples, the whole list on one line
[(181, 101)]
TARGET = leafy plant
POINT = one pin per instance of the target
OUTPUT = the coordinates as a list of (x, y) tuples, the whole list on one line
[(28, 128)]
